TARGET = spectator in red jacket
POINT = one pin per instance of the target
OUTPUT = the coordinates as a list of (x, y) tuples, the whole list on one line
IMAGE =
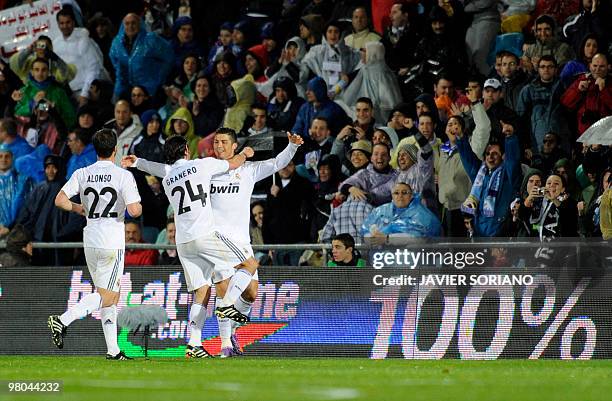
[(137, 257), (591, 94)]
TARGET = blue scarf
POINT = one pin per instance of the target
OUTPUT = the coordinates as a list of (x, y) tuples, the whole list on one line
[(493, 190), (448, 148)]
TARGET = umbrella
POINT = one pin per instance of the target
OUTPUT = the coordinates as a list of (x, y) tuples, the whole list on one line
[(599, 133)]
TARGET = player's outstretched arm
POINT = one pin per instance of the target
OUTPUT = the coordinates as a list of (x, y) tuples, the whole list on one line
[(149, 167), (63, 202), (240, 158), (268, 167)]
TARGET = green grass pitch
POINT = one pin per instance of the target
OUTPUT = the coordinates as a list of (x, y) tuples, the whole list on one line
[(266, 379)]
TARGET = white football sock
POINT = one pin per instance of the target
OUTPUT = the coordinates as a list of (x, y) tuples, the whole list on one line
[(225, 329), (244, 307), (88, 304), (108, 317), (197, 316), (239, 282)]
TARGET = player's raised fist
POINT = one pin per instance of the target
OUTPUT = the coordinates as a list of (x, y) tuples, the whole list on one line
[(295, 139), (128, 161)]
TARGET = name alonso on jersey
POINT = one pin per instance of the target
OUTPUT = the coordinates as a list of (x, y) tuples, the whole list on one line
[(99, 178)]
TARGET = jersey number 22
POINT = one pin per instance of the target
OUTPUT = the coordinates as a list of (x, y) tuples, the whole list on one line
[(107, 210)]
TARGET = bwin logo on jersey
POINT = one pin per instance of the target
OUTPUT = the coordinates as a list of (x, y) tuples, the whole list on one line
[(225, 189)]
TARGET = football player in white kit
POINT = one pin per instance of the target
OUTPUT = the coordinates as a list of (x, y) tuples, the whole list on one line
[(230, 196), (199, 244), (106, 191)]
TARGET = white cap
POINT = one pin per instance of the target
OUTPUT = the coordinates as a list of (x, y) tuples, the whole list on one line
[(492, 83)]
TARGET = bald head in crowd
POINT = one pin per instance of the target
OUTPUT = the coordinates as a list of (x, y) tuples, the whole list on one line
[(123, 113), (131, 25), (599, 66)]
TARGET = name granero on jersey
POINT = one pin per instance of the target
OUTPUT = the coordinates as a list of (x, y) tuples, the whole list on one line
[(99, 178), (181, 175)]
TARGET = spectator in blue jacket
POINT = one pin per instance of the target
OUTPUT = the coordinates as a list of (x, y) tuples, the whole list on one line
[(83, 152), (539, 104), (405, 216), (182, 42), (139, 57), (13, 190), (495, 181), (319, 105), (9, 137)]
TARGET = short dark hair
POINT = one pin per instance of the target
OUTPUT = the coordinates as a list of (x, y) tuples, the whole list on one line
[(258, 106), (347, 240), (444, 76), (39, 60), (82, 135), (66, 11), (494, 142), (365, 10), (427, 114), (548, 57), (382, 144), (562, 178), (104, 142), (174, 149), (227, 131), (10, 126), (506, 53), (365, 100), (136, 222), (321, 118), (545, 19), (460, 121)]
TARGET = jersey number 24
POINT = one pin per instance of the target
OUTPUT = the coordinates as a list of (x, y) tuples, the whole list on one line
[(201, 195)]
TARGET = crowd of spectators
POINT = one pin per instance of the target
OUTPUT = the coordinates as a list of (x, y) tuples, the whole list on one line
[(452, 118)]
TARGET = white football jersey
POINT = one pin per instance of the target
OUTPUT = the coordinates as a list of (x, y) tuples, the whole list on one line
[(105, 190), (187, 186), (230, 192)]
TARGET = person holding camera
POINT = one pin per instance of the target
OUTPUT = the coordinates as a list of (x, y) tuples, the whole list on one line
[(590, 96), (43, 92), (549, 212), (42, 48)]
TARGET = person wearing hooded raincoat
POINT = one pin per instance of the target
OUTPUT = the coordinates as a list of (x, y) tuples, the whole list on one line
[(14, 188), (282, 114), (192, 139), (287, 67), (321, 107), (415, 220), (244, 92), (329, 61), (48, 223), (376, 81), (147, 64)]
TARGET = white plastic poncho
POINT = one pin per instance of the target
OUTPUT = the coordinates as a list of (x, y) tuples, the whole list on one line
[(376, 81), (267, 88)]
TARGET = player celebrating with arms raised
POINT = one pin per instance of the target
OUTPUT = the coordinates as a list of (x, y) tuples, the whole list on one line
[(230, 200), (199, 245), (106, 191)]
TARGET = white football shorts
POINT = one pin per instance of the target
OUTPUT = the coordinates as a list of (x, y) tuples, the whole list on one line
[(105, 267), (212, 254)]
